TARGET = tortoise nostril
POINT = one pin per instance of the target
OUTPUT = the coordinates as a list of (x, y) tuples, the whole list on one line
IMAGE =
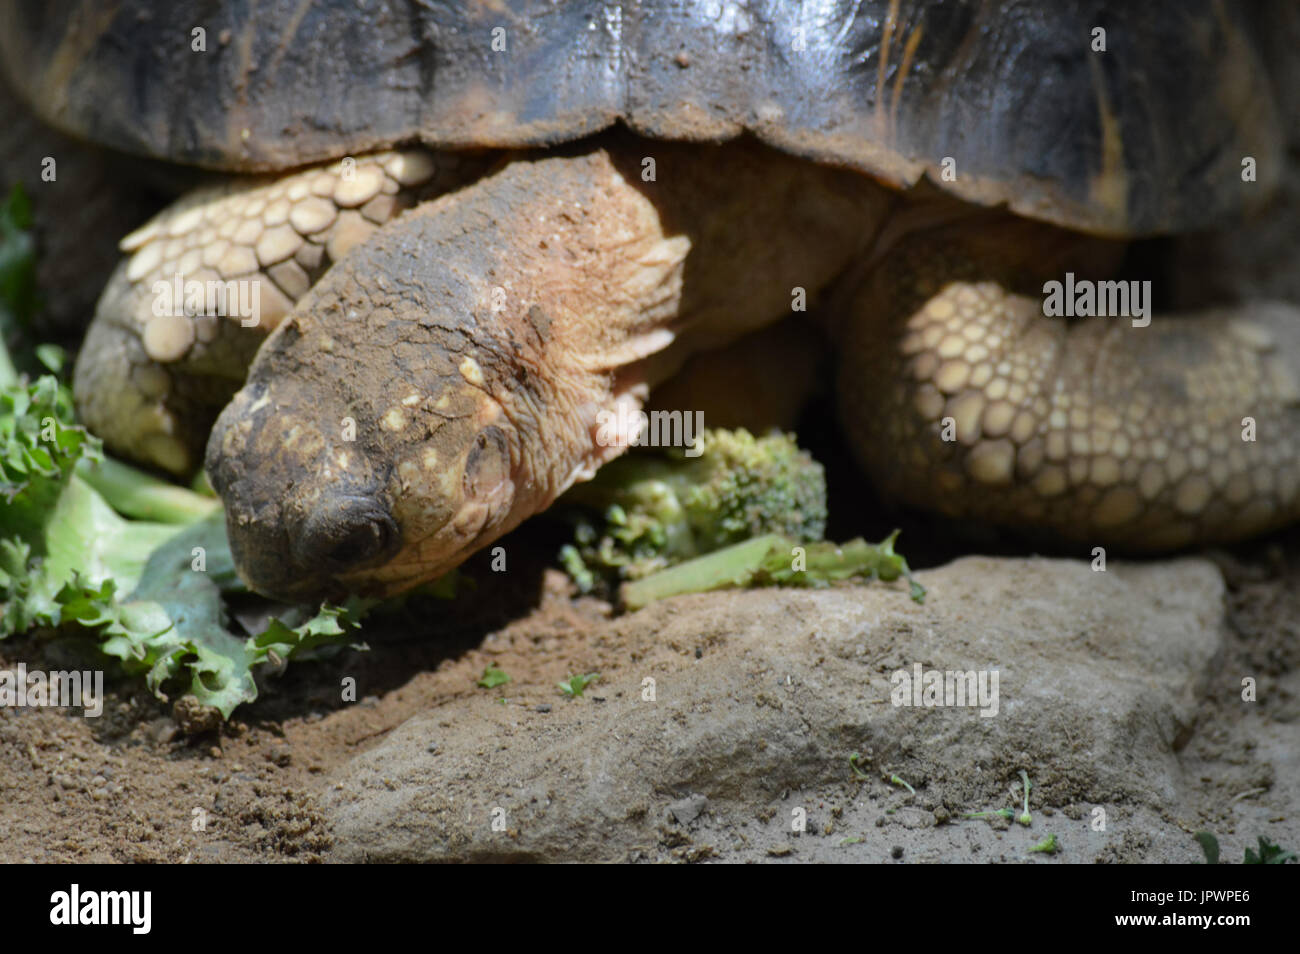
[(346, 533), (361, 544)]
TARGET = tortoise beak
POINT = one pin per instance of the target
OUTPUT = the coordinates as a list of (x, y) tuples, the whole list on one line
[(297, 555), (348, 532), (297, 521)]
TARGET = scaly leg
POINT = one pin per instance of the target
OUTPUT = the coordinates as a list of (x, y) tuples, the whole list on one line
[(150, 380), (959, 395)]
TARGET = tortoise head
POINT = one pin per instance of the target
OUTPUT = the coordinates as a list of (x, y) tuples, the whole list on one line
[(368, 478), (376, 445), (445, 380)]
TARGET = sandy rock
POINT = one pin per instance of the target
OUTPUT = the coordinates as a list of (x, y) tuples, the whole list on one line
[(728, 731)]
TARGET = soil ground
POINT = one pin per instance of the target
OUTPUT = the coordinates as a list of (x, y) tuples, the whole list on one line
[(129, 786)]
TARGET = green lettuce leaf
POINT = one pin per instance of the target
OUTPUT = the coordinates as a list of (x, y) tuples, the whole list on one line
[(151, 592)]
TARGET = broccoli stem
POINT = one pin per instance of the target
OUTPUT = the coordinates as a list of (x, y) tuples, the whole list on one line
[(772, 560), (134, 493), (732, 566)]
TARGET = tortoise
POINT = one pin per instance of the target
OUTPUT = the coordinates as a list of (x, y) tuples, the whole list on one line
[(463, 238)]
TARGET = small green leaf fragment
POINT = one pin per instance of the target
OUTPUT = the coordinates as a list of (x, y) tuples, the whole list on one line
[(574, 686), (1025, 818), (853, 764), (1269, 854), (1000, 813), (1047, 846), (895, 780), (1209, 845)]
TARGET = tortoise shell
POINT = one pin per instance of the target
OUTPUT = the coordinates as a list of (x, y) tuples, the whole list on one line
[(1102, 115)]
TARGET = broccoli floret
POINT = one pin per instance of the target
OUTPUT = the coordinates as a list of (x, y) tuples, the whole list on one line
[(654, 508)]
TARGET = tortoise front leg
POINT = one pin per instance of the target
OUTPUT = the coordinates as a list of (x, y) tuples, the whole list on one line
[(960, 395), (209, 277)]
